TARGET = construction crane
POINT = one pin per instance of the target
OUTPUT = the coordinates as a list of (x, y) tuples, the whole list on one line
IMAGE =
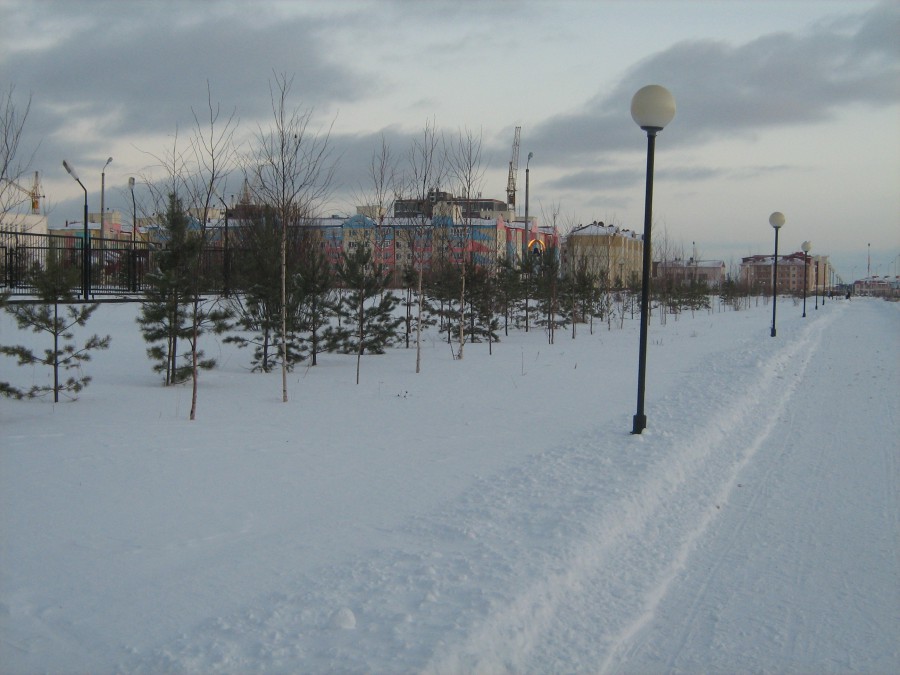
[(34, 192), (513, 169)]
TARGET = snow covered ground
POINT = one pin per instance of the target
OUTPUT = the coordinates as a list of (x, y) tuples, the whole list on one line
[(488, 515)]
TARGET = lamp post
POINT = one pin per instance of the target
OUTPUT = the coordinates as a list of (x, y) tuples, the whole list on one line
[(225, 262), (805, 246), (525, 229), (133, 236), (652, 108), (817, 284), (86, 239), (526, 263), (103, 200), (776, 220)]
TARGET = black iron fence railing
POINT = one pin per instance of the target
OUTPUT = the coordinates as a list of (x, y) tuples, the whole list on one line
[(115, 266)]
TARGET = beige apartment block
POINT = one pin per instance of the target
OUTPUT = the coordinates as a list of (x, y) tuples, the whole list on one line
[(613, 254)]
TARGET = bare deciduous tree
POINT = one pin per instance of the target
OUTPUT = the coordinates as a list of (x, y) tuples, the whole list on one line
[(214, 158), (426, 168), (12, 167), (377, 197), (194, 180), (292, 174), (382, 186), (466, 174)]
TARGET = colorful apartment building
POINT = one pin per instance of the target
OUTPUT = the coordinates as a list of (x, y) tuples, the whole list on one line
[(405, 243)]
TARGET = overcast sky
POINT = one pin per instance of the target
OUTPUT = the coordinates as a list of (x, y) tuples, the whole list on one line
[(782, 105)]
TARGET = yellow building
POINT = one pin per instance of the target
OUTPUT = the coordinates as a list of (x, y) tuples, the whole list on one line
[(614, 255)]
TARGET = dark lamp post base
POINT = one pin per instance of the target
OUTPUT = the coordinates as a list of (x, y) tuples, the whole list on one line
[(639, 424)]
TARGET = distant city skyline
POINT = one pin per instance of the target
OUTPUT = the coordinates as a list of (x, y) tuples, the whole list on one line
[(787, 106)]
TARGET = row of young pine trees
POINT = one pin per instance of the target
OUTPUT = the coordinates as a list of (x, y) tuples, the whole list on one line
[(348, 308)]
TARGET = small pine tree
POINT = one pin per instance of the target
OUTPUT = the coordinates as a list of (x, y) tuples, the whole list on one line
[(528, 277), (509, 288), (54, 285), (547, 294), (314, 285), (369, 324), (259, 309), (483, 299), (6, 389), (167, 318), (444, 290)]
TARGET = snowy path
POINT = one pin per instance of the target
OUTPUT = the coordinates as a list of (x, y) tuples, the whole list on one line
[(672, 551), (774, 585)]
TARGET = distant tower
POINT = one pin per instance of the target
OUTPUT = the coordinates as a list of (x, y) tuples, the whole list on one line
[(36, 194), (513, 169)]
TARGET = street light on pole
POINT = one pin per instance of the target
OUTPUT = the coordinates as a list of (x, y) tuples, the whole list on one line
[(225, 262), (103, 200), (652, 108), (525, 229), (805, 246), (817, 284), (133, 235), (526, 262), (86, 239), (776, 220)]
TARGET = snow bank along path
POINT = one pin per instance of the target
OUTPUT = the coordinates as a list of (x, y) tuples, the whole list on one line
[(752, 527)]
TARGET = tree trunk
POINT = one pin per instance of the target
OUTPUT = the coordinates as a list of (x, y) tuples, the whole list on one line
[(284, 391), (419, 324), (194, 370), (462, 315), (56, 352), (360, 322)]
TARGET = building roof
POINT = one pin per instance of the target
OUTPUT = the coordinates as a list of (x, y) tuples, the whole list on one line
[(598, 229), (690, 262)]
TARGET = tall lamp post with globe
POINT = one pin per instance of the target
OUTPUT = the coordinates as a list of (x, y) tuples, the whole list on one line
[(776, 220), (652, 108)]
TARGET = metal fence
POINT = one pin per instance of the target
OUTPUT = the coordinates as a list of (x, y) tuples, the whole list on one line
[(114, 267)]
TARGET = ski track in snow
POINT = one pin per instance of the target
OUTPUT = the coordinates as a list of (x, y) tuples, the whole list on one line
[(617, 565), (493, 584)]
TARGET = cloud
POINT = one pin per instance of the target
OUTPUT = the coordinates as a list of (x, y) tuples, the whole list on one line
[(141, 67), (109, 77), (724, 90)]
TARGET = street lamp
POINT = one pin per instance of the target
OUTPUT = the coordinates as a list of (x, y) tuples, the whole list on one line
[(526, 263), (806, 245), (652, 108), (776, 220), (525, 230), (225, 265), (86, 239), (133, 235), (103, 200), (817, 284)]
